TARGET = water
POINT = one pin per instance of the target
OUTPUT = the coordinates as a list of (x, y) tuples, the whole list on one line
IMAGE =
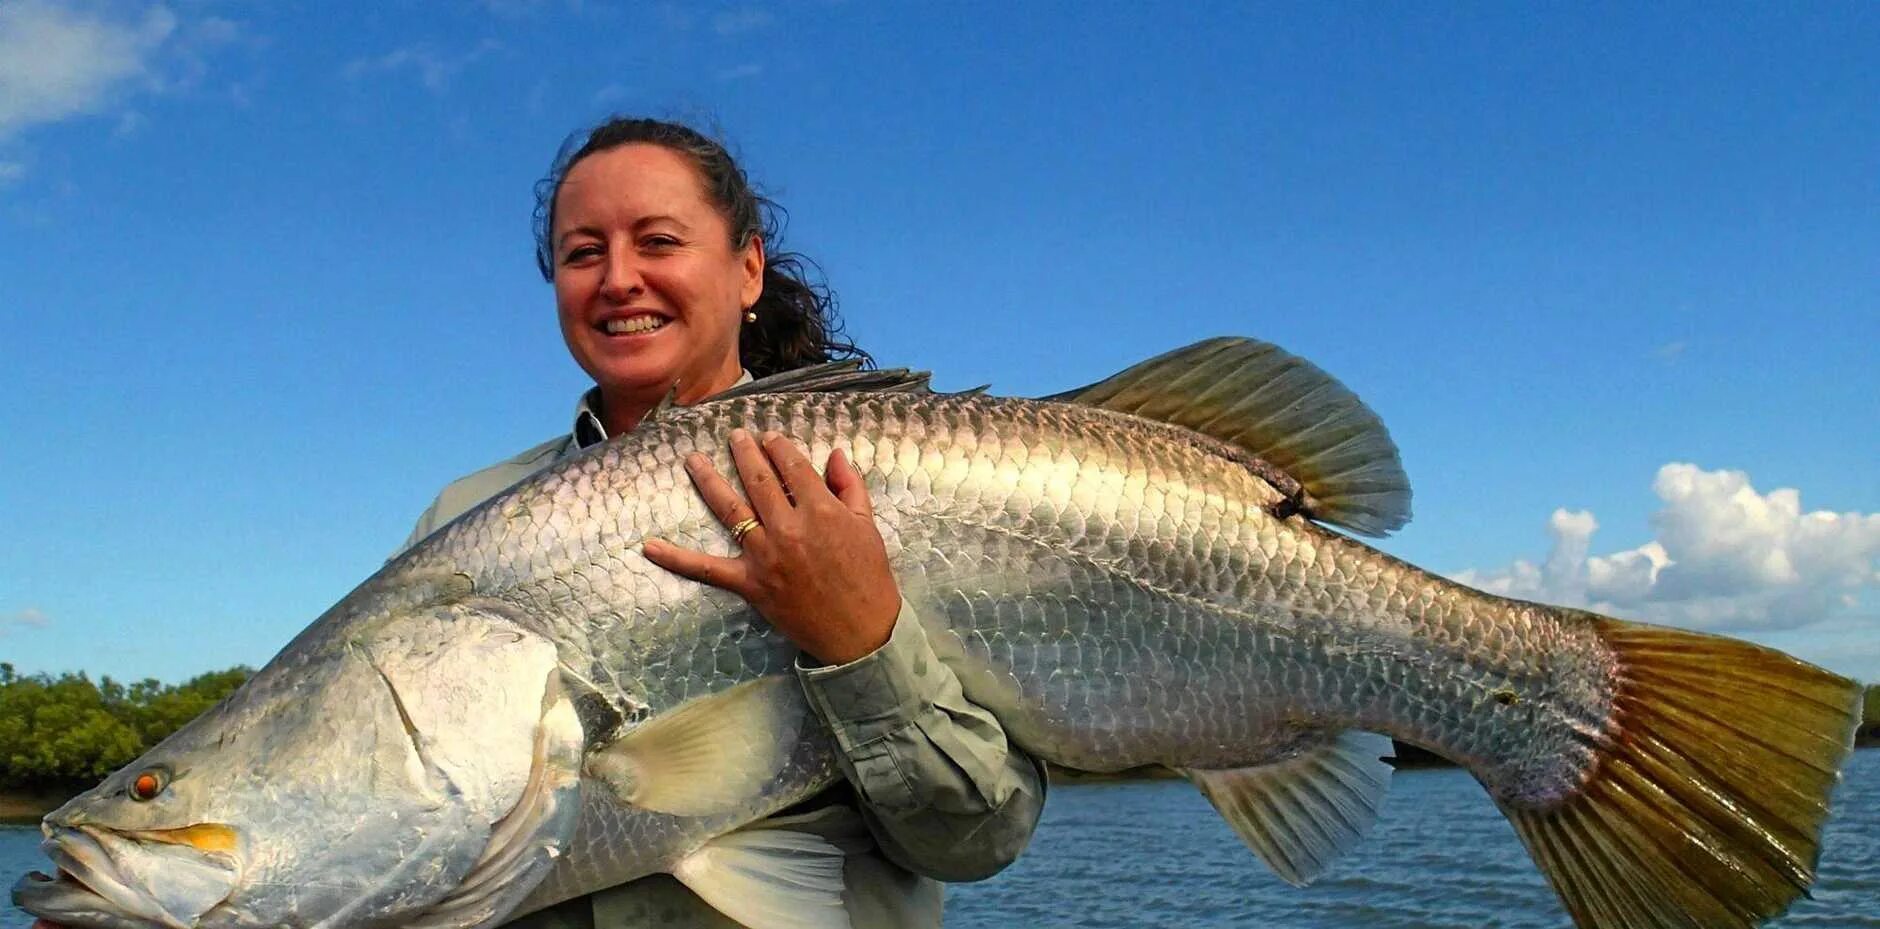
[(1146, 855)]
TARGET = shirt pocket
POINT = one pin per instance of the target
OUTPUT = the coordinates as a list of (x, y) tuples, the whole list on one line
[(879, 777)]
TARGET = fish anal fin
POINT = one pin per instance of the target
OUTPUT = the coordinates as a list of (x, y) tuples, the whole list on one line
[(1279, 408), (710, 754), (1299, 815), (1706, 803), (770, 879)]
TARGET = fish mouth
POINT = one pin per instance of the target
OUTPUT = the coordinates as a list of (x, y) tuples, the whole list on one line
[(103, 879), (69, 901)]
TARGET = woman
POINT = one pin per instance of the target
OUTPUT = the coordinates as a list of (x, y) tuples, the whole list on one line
[(659, 253)]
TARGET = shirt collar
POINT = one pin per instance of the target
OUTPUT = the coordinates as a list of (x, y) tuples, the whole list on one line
[(587, 428)]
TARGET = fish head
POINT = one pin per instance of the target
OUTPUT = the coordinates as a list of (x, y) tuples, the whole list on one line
[(427, 766)]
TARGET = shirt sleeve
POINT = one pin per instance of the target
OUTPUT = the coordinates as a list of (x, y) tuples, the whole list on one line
[(944, 792)]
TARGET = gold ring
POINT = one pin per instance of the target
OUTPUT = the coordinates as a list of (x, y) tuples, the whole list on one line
[(743, 528)]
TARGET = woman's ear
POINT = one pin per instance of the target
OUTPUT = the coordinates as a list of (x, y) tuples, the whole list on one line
[(753, 264)]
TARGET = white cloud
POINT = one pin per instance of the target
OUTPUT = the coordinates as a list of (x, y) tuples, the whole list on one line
[(732, 22), (61, 60), (435, 70), (1723, 556), (28, 618), (740, 72), (58, 61), (11, 171)]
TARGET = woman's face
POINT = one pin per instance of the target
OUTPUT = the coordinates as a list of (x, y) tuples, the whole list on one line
[(647, 284)]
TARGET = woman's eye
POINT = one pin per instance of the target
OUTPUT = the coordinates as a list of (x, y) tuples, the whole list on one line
[(659, 241), (579, 254)]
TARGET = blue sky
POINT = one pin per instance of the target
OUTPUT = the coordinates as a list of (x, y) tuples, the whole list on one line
[(265, 274)]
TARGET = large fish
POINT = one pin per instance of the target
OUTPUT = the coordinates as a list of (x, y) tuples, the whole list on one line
[(522, 708)]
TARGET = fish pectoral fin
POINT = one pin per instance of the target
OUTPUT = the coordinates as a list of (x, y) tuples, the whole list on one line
[(1301, 814), (710, 754), (770, 879)]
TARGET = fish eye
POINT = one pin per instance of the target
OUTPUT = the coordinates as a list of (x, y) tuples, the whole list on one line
[(147, 785)]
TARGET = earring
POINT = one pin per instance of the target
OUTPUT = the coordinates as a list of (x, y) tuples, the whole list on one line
[(750, 316)]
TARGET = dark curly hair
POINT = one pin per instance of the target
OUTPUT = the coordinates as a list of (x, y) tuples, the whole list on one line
[(797, 324)]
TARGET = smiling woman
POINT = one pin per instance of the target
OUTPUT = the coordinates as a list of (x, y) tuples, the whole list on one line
[(647, 224), (644, 273)]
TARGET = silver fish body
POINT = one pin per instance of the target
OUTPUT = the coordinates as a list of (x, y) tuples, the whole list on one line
[(1119, 591), (1116, 591)]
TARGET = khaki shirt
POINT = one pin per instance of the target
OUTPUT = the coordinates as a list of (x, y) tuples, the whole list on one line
[(937, 792)]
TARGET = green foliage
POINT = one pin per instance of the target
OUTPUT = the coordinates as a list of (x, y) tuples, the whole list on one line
[(56, 731)]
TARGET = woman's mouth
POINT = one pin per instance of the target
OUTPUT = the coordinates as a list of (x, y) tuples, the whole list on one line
[(633, 325)]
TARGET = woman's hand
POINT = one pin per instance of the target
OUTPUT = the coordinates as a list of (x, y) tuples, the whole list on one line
[(814, 565)]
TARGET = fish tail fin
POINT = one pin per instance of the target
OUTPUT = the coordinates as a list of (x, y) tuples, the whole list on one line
[(1705, 807)]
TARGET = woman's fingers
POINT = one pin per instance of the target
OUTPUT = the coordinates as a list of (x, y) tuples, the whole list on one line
[(719, 496), (816, 572), (732, 574), (847, 484), (793, 466), (761, 482)]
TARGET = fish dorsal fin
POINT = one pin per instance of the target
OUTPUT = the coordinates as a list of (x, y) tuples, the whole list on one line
[(1301, 814), (769, 879), (832, 377), (709, 755), (1283, 410), (828, 377)]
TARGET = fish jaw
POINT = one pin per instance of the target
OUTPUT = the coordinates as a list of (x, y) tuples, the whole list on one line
[(109, 879)]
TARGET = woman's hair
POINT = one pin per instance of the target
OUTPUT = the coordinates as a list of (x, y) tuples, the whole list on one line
[(796, 322)]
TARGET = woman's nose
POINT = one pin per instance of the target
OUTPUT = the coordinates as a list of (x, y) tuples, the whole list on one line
[(622, 277)]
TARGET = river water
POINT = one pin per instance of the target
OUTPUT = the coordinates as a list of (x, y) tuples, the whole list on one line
[(1155, 854)]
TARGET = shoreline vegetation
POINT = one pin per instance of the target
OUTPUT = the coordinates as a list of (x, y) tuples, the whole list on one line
[(59, 736)]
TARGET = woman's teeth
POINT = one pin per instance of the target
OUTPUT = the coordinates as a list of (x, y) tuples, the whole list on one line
[(634, 324)]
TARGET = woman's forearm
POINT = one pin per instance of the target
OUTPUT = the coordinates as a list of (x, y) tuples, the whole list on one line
[(943, 790)]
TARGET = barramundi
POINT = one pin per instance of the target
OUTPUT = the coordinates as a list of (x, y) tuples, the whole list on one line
[(1146, 572)]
